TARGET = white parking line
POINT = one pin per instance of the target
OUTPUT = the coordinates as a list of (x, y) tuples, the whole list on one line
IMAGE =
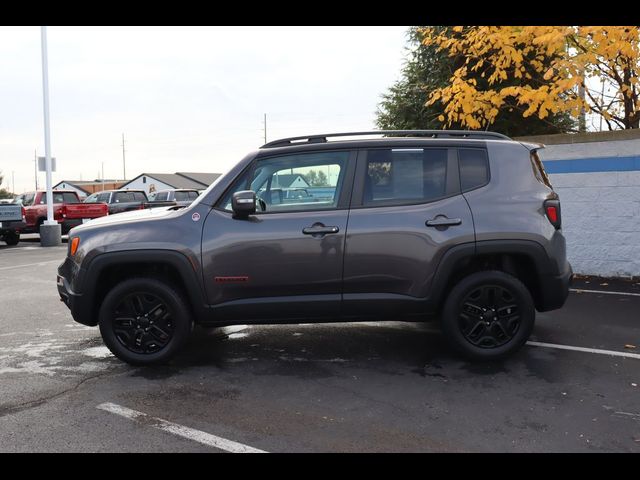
[(180, 430), (612, 353), (581, 290), (30, 264)]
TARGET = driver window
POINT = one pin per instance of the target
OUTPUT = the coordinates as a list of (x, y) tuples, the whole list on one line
[(310, 181)]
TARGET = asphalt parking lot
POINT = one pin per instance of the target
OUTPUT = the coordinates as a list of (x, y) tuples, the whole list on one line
[(369, 387)]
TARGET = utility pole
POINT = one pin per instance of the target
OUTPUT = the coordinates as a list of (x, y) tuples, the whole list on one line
[(124, 165), (103, 176), (35, 166), (265, 128), (582, 121), (50, 230), (13, 182), (602, 102)]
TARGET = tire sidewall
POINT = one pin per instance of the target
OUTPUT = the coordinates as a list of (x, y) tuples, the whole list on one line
[(180, 315), (453, 305)]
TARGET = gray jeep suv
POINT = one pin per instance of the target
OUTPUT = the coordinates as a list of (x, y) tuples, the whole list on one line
[(456, 226)]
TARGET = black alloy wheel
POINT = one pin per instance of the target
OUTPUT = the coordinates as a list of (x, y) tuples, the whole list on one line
[(488, 315), (145, 321)]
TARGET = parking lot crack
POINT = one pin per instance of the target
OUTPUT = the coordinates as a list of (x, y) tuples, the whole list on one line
[(13, 409), (362, 396)]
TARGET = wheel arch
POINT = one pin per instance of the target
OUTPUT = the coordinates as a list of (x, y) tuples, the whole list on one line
[(107, 269), (524, 259)]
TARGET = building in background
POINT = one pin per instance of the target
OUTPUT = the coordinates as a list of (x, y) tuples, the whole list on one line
[(153, 182), (84, 188)]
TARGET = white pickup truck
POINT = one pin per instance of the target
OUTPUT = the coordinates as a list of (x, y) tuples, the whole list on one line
[(12, 221)]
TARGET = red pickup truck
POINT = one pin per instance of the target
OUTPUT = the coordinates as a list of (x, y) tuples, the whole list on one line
[(67, 209)]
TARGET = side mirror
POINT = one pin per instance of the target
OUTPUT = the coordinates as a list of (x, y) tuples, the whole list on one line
[(243, 203)]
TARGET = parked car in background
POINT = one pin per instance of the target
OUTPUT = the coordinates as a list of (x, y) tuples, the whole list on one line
[(181, 196), (120, 200), (12, 221), (68, 210)]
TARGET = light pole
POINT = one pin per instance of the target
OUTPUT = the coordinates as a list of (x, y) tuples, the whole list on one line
[(50, 230)]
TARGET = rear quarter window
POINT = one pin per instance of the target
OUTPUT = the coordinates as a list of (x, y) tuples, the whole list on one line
[(474, 168)]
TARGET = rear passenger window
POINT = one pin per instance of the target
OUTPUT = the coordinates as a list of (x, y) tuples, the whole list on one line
[(402, 176), (139, 197), (474, 168), (182, 196), (124, 197)]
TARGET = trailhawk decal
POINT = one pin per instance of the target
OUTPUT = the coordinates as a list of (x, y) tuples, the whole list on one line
[(237, 279)]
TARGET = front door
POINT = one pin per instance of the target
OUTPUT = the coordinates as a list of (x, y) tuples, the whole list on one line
[(286, 260), (407, 210)]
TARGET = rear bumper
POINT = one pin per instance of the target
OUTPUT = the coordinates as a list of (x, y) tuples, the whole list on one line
[(14, 226), (554, 290)]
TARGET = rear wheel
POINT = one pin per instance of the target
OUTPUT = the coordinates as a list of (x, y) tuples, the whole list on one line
[(12, 238), (144, 321), (488, 315)]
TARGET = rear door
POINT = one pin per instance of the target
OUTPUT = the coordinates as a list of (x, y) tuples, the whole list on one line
[(407, 210)]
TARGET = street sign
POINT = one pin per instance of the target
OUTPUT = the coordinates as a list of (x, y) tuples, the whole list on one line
[(42, 164)]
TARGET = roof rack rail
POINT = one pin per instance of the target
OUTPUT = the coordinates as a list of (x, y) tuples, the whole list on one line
[(283, 142)]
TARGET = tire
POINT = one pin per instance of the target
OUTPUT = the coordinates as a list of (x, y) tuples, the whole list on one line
[(12, 238), (141, 340), (479, 334), (39, 223)]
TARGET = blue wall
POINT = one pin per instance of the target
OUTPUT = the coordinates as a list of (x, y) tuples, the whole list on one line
[(595, 164)]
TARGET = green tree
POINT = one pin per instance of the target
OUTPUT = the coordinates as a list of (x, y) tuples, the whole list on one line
[(316, 178), (322, 180), (4, 193), (311, 177), (429, 68)]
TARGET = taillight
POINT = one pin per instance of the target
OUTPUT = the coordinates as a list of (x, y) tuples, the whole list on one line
[(552, 210), (24, 215)]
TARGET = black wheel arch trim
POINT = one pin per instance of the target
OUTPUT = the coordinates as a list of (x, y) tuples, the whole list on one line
[(85, 310), (546, 268)]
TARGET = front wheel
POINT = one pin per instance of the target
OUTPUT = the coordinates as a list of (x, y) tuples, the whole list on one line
[(144, 321), (488, 315)]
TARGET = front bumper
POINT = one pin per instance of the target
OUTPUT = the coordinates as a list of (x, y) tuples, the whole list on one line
[(81, 309), (554, 290)]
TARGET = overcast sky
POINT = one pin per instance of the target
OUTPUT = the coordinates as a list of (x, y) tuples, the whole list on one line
[(186, 98)]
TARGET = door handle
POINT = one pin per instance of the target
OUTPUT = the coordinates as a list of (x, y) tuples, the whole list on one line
[(443, 221), (319, 230)]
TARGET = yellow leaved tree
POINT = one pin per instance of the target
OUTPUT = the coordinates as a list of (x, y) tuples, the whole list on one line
[(550, 69)]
